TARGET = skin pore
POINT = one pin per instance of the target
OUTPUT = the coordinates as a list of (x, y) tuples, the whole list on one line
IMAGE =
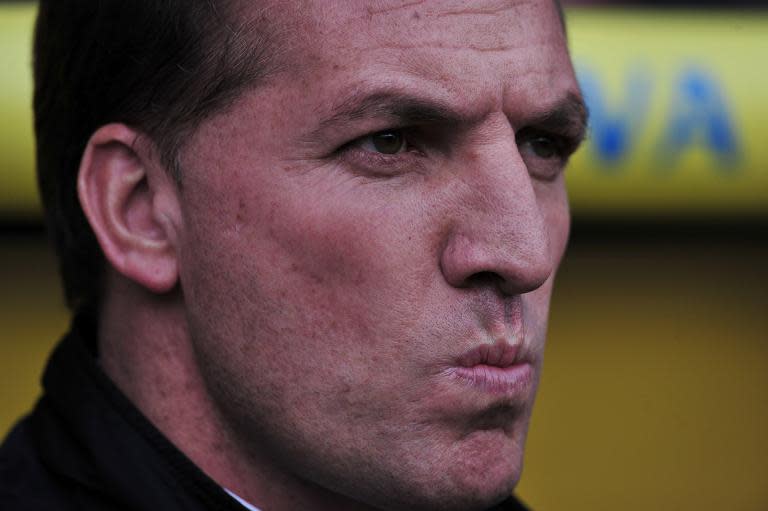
[(291, 316)]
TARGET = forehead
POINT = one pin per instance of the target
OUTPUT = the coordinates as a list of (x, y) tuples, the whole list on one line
[(486, 51), (484, 24)]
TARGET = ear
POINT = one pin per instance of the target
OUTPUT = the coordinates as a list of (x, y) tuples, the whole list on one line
[(132, 205)]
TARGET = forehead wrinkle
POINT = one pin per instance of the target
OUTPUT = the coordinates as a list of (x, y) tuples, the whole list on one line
[(494, 27), (504, 6), (507, 5), (501, 6), (372, 11), (488, 40), (441, 46)]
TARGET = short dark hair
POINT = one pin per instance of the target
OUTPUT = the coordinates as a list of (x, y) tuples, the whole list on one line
[(561, 14), (159, 66)]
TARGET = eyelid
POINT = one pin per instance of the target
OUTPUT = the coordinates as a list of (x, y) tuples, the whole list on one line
[(369, 140), (376, 164), (412, 137), (546, 169), (565, 143)]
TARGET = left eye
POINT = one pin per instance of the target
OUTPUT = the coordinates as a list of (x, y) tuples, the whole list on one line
[(385, 142), (544, 147)]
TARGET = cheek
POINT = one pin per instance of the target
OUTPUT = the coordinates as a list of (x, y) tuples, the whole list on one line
[(313, 266), (310, 301), (363, 276)]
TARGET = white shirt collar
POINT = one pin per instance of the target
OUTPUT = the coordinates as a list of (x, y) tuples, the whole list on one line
[(244, 503)]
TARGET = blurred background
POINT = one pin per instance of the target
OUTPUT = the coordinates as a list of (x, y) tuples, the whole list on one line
[(655, 390)]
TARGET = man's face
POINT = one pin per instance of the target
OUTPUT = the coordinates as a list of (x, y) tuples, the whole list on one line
[(355, 229)]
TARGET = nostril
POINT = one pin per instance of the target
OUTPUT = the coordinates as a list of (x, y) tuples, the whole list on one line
[(484, 278), (511, 283)]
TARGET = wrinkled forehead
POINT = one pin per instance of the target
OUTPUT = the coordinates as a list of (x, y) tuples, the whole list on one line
[(483, 21), (477, 56), (455, 43)]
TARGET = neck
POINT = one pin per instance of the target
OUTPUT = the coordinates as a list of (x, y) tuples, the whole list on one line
[(146, 350)]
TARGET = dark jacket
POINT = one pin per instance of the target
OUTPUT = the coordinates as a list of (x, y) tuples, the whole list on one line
[(86, 447)]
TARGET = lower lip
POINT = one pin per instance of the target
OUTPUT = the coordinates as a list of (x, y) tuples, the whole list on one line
[(514, 379)]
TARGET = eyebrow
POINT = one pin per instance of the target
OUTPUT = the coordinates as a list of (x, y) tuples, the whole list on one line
[(394, 105), (568, 116)]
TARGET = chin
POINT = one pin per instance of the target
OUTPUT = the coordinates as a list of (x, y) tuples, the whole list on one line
[(467, 496), (483, 485), (482, 473)]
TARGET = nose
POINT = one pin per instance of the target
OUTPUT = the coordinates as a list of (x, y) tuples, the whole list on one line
[(499, 235)]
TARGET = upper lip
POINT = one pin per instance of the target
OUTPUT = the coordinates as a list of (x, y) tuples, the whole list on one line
[(498, 354)]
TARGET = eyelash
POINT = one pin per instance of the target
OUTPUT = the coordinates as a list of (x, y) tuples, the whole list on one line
[(384, 165), (546, 169), (388, 165)]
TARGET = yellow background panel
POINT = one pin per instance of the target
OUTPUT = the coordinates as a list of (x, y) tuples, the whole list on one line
[(640, 62), (18, 192), (655, 388)]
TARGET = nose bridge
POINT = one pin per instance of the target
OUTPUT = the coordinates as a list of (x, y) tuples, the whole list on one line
[(501, 231)]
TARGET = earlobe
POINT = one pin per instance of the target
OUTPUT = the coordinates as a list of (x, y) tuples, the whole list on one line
[(130, 201)]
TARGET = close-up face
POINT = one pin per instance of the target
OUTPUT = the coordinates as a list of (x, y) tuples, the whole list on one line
[(368, 244)]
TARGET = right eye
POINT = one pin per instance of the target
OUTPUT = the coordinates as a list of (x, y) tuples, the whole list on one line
[(385, 142)]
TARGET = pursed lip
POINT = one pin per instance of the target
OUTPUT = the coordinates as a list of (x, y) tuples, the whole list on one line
[(500, 354), (499, 368)]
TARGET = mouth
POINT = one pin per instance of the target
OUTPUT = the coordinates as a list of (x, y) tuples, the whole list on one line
[(499, 368)]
